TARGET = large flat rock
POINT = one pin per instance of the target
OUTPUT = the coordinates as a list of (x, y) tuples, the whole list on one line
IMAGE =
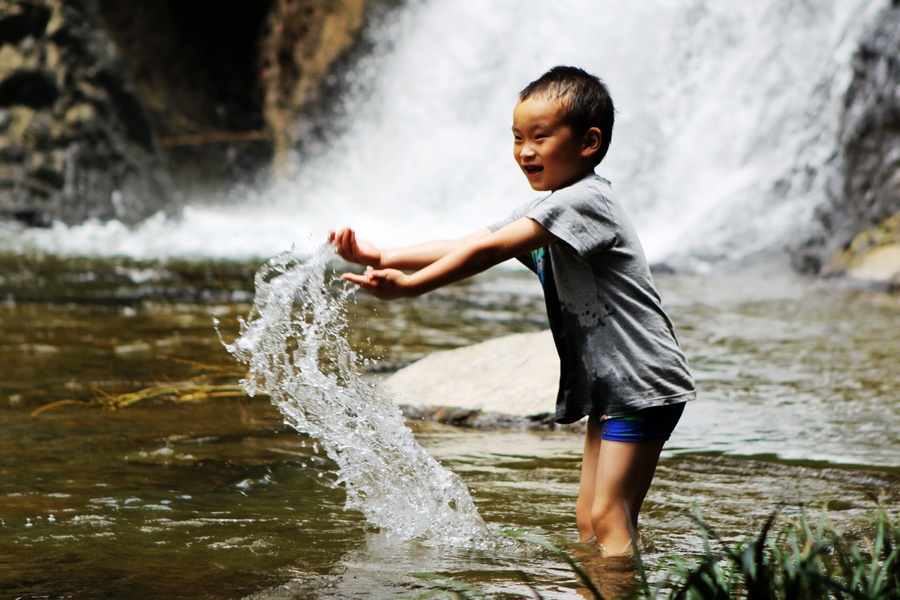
[(514, 375)]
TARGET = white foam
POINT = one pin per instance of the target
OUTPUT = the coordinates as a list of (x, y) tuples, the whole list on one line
[(728, 116)]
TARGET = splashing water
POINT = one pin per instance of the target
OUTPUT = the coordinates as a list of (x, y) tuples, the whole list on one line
[(295, 346)]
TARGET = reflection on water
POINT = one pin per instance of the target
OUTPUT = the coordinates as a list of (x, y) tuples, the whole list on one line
[(799, 406), (801, 370)]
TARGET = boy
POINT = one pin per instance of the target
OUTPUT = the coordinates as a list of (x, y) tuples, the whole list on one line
[(621, 365)]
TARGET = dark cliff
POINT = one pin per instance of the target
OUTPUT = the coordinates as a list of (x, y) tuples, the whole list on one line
[(75, 140), (865, 194), (118, 110)]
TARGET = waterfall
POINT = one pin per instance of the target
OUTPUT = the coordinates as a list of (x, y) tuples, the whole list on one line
[(728, 116)]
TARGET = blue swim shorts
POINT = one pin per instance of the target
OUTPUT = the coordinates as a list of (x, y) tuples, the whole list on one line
[(655, 423)]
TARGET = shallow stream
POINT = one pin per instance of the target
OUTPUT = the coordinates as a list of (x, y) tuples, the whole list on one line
[(799, 407)]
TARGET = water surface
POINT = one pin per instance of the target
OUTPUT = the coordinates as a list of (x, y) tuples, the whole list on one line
[(217, 498)]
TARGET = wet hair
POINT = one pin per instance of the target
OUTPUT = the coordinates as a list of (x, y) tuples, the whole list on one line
[(585, 99)]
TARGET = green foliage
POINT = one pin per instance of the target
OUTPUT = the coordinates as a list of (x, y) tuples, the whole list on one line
[(797, 561)]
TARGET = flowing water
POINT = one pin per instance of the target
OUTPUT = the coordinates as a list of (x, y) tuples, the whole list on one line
[(728, 121), (219, 498)]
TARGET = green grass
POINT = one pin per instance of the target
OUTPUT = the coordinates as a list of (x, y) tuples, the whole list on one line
[(794, 561), (787, 560)]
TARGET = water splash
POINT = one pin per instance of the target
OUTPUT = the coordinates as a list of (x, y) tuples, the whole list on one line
[(295, 345)]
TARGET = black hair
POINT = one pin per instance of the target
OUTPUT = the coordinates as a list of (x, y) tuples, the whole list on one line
[(585, 99)]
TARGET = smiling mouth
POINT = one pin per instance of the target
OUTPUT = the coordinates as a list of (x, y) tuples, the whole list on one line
[(532, 170)]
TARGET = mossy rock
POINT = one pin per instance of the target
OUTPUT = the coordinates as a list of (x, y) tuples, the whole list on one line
[(873, 255)]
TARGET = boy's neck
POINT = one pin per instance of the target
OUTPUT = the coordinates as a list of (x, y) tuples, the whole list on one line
[(576, 179)]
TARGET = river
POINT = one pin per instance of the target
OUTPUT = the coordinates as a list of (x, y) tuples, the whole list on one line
[(218, 498)]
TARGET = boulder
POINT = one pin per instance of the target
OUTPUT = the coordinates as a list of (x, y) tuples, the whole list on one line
[(872, 256), (880, 264), (513, 376)]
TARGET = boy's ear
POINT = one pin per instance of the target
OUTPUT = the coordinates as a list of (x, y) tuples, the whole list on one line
[(593, 137)]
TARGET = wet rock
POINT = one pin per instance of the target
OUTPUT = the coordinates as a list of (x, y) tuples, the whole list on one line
[(867, 191), (477, 419), (224, 86), (139, 95), (75, 141), (304, 39), (35, 88), (19, 20), (12, 153), (873, 255), (508, 381), (880, 264), (194, 68), (49, 168), (10, 59)]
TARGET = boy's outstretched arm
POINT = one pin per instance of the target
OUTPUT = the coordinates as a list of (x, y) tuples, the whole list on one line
[(410, 258), (469, 258)]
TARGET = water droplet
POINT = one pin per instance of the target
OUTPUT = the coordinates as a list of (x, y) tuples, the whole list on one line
[(294, 342)]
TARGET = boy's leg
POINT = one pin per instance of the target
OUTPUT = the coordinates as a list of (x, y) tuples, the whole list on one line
[(588, 482), (615, 477)]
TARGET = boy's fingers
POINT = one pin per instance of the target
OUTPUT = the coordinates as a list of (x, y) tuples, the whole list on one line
[(345, 242), (367, 278), (354, 278)]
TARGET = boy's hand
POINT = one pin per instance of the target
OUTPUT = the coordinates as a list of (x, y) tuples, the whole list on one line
[(354, 250), (385, 284)]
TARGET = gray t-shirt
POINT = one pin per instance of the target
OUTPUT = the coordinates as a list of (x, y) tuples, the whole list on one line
[(617, 347)]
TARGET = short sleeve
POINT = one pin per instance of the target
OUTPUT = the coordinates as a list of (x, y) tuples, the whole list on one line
[(580, 215), (515, 215)]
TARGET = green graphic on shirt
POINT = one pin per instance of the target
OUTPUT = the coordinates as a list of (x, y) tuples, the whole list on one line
[(543, 266)]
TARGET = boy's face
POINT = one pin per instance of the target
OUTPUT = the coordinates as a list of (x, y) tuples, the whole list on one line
[(547, 151)]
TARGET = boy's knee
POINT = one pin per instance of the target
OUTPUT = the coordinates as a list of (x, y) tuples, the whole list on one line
[(605, 514), (610, 514)]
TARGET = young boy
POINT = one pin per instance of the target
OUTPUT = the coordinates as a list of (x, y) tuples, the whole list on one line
[(621, 365)]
